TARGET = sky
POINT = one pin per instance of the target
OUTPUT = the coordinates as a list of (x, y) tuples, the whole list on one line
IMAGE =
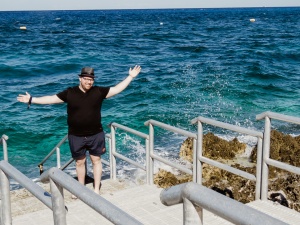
[(17, 5)]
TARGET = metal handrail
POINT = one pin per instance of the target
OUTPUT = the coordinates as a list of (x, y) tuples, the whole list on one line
[(114, 154), (151, 124), (4, 139), (6, 171), (170, 128), (59, 180), (227, 126), (55, 149), (200, 159), (267, 116), (194, 195), (277, 116)]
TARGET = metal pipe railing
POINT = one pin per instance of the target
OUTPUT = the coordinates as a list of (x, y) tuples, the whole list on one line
[(170, 128), (201, 159), (4, 194), (114, 154), (283, 166), (266, 161), (67, 164), (151, 124), (4, 139), (227, 126), (151, 152), (192, 194), (4, 189), (54, 150), (277, 116), (230, 169), (27, 183), (129, 161), (181, 168), (5, 199), (60, 180), (110, 156), (6, 171)]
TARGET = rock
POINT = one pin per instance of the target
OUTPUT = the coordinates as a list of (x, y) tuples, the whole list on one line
[(213, 148), (278, 197), (284, 187), (218, 148), (283, 147), (165, 179), (186, 150), (289, 186)]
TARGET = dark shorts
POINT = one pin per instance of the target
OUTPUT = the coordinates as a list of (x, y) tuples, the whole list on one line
[(95, 144)]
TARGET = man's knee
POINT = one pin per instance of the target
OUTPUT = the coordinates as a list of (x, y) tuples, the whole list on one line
[(81, 161), (95, 159)]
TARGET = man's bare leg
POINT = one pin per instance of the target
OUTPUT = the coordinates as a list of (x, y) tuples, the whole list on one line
[(80, 170), (97, 169)]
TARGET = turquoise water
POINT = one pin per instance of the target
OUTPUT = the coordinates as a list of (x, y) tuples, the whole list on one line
[(195, 62)]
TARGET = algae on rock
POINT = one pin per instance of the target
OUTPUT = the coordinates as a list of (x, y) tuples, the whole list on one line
[(284, 148)]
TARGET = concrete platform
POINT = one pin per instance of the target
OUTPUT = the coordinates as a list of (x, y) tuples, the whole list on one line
[(141, 202), (277, 211)]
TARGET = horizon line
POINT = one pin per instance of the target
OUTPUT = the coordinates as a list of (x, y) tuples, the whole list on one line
[(110, 9)]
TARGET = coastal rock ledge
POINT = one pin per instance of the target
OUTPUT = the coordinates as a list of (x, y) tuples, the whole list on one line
[(284, 187)]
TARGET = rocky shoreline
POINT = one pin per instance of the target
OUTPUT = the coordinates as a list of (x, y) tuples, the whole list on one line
[(284, 187)]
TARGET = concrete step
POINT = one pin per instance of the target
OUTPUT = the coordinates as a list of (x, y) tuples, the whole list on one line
[(143, 203), (277, 211)]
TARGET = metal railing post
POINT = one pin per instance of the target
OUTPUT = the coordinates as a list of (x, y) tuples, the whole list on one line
[(192, 214), (149, 181), (110, 157), (113, 150), (58, 157), (266, 155), (259, 162), (218, 204), (199, 153), (5, 200), (4, 138), (194, 160), (86, 195), (151, 152), (53, 150), (58, 205)]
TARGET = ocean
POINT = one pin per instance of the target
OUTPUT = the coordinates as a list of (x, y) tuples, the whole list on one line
[(214, 63)]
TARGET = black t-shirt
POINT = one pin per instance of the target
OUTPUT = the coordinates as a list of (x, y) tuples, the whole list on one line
[(84, 109)]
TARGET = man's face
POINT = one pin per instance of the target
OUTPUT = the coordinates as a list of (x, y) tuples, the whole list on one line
[(86, 83)]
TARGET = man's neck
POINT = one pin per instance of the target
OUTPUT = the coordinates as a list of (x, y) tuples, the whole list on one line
[(81, 88)]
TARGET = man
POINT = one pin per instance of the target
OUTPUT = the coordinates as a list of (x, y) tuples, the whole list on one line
[(85, 130)]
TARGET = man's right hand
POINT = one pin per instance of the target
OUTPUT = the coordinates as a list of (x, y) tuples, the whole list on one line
[(24, 98)]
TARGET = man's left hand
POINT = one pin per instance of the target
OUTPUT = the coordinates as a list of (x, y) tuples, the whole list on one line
[(135, 71)]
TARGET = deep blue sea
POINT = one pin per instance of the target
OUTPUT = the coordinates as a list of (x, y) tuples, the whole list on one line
[(213, 63)]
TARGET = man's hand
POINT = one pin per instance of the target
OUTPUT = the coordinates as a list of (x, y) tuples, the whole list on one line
[(135, 71), (24, 98)]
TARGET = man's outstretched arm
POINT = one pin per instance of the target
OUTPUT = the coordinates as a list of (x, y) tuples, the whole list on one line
[(123, 84), (53, 99)]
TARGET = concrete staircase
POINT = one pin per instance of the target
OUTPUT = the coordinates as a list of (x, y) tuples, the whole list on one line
[(142, 202)]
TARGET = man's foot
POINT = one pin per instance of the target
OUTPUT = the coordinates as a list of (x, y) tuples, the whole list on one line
[(74, 197), (98, 191)]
